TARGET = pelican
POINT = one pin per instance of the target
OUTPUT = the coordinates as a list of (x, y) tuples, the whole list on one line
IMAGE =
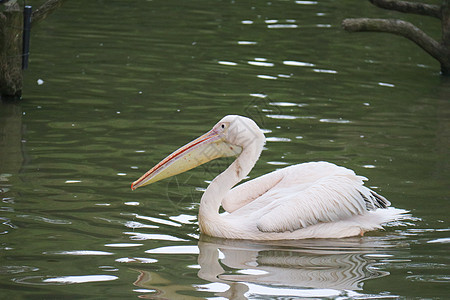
[(308, 200)]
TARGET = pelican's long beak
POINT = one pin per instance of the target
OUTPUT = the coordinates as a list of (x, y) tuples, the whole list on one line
[(209, 146)]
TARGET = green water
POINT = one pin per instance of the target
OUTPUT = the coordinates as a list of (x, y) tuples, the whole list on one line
[(114, 86)]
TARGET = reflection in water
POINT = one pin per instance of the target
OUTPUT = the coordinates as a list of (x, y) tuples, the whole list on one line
[(236, 269), (11, 158), (103, 98), (323, 264), (155, 286)]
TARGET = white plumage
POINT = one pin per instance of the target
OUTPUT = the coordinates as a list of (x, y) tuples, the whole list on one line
[(309, 200)]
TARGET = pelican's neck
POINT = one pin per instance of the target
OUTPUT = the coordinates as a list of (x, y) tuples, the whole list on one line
[(219, 187)]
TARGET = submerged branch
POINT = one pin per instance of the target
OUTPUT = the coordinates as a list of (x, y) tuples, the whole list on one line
[(410, 7), (45, 9), (402, 28)]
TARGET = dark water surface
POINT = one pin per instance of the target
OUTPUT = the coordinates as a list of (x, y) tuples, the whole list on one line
[(114, 86)]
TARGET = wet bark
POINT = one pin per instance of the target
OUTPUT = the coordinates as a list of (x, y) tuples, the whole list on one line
[(11, 28), (46, 9), (11, 20), (409, 7), (440, 50)]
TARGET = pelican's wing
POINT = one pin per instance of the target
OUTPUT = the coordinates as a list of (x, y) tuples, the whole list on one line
[(331, 198)]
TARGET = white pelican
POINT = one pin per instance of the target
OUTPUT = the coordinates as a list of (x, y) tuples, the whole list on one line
[(309, 200)]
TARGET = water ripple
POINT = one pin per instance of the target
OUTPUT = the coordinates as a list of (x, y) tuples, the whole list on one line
[(156, 220), (277, 139), (17, 269), (123, 245), (136, 236), (80, 279), (429, 278), (46, 220), (79, 252), (440, 241), (336, 121), (49, 280), (297, 63), (141, 260), (185, 249)]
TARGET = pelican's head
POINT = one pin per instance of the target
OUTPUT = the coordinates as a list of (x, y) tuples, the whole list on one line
[(228, 137)]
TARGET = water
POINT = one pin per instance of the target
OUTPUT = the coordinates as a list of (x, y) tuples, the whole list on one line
[(115, 86)]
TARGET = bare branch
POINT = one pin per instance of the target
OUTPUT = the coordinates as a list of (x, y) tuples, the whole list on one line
[(446, 24), (410, 7), (402, 28), (45, 9)]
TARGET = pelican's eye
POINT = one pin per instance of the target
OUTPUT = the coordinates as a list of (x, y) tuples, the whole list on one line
[(222, 127)]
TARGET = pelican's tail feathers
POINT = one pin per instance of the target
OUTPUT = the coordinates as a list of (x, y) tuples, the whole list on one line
[(379, 201), (380, 217)]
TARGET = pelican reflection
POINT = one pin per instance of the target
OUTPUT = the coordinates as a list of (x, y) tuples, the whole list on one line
[(235, 269), (318, 264)]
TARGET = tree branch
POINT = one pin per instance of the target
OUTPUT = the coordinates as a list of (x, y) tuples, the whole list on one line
[(11, 6), (410, 7), (45, 9), (446, 24), (402, 28)]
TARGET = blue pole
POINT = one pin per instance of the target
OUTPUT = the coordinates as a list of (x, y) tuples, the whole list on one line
[(26, 36)]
